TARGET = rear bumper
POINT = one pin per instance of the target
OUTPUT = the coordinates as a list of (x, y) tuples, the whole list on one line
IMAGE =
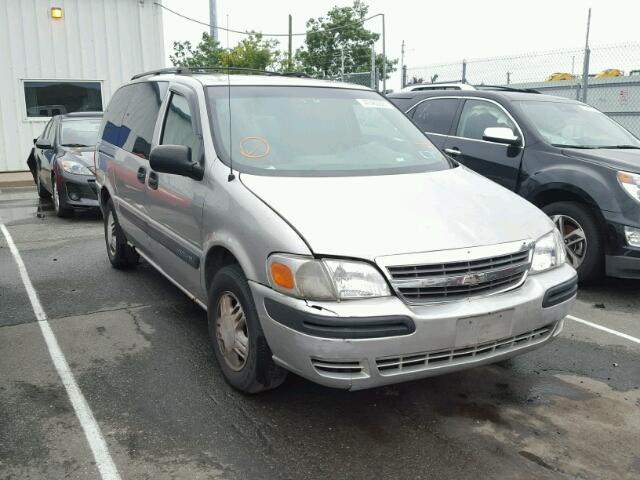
[(443, 337)]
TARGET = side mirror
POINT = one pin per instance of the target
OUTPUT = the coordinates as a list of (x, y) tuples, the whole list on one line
[(35, 140), (501, 135), (43, 144), (175, 159)]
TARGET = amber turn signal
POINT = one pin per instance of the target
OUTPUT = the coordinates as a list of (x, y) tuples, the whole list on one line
[(282, 275)]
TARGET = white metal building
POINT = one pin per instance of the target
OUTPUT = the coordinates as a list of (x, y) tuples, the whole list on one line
[(59, 56)]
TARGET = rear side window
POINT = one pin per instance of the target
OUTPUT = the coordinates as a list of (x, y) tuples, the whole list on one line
[(178, 127), (436, 116), (478, 115), (140, 117), (112, 130)]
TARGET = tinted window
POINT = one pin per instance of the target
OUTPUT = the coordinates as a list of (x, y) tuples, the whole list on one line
[(478, 115), (46, 99), (310, 131), (140, 118), (178, 127), (403, 103), (112, 130), (435, 116)]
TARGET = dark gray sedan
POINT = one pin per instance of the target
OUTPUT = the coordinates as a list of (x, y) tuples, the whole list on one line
[(64, 161)]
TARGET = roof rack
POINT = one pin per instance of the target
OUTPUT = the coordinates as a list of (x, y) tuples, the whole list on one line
[(506, 89), (203, 70)]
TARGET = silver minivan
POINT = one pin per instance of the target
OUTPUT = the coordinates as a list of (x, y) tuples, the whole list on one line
[(322, 232)]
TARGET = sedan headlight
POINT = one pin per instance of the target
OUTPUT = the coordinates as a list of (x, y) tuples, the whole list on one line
[(74, 167), (631, 183), (325, 279), (548, 252)]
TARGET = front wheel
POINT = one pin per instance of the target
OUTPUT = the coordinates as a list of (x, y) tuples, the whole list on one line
[(583, 238), (121, 254), (238, 341), (58, 200)]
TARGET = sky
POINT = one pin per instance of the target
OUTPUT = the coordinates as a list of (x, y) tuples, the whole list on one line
[(433, 32)]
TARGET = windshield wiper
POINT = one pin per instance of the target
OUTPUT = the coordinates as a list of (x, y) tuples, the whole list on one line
[(562, 145), (75, 145), (621, 146)]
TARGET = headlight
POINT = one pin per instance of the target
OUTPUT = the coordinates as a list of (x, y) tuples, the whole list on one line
[(631, 183), (325, 279), (548, 252), (74, 167)]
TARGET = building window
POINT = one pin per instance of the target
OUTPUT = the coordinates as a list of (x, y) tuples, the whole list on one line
[(46, 99)]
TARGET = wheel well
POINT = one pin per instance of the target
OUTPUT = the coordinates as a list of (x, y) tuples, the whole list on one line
[(217, 257), (557, 195)]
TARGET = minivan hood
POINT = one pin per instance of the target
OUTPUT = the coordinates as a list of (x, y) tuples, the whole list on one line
[(620, 159), (372, 216)]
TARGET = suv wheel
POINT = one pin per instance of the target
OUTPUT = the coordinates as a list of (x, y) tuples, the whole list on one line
[(121, 254), (58, 201), (42, 192), (583, 238), (238, 341)]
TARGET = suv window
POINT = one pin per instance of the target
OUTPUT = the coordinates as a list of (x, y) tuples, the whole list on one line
[(178, 126), (478, 115), (112, 129), (140, 117), (435, 116)]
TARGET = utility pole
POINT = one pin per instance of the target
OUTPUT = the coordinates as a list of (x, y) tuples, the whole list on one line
[(508, 78), (373, 68), (384, 60), (402, 69), (290, 43), (585, 65), (213, 19), (342, 64)]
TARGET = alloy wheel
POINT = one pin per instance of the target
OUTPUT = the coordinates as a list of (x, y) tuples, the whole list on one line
[(56, 198), (231, 331), (575, 240), (111, 233)]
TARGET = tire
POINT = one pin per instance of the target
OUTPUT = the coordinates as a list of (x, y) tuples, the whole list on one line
[(42, 192), (257, 372), (59, 205), (591, 266), (121, 255)]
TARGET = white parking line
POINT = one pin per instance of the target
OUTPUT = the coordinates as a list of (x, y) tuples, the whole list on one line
[(104, 462), (604, 329)]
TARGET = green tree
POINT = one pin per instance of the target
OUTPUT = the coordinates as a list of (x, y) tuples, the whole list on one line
[(206, 54), (254, 52), (340, 32), (251, 52)]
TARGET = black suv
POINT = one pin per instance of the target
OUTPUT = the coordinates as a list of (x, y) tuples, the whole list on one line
[(569, 159)]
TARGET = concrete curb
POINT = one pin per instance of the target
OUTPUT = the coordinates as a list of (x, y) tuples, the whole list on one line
[(16, 179)]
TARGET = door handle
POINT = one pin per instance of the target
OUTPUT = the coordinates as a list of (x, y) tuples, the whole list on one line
[(452, 151), (153, 180), (142, 173)]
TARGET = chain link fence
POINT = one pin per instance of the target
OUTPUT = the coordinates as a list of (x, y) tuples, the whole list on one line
[(612, 84)]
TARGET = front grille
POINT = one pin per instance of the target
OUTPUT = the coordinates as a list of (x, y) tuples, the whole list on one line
[(455, 280), (424, 361)]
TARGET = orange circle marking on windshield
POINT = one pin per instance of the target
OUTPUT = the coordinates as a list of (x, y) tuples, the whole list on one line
[(254, 147)]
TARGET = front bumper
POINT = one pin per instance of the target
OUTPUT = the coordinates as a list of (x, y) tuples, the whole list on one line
[(622, 260), (441, 340), (80, 191)]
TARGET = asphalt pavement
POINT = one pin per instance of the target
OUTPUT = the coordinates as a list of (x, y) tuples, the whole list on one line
[(139, 353)]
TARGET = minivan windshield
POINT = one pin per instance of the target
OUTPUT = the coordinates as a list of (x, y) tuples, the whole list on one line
[(576, 125), (81, 132), (316, 131)]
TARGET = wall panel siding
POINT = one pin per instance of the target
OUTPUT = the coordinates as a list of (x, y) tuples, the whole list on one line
[(104, 40)]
